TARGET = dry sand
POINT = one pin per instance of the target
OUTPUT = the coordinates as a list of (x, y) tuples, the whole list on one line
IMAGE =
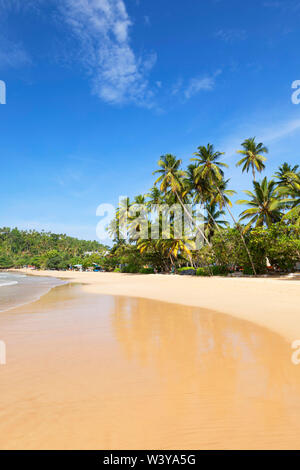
[(270, 303)]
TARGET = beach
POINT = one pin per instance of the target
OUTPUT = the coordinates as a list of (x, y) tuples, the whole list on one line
[(90, 370), (268, 302)]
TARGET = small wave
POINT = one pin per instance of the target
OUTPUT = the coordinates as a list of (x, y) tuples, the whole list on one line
[(12, 283)]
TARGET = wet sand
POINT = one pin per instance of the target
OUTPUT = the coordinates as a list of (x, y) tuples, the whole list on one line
[(88, 371), (268, 302)]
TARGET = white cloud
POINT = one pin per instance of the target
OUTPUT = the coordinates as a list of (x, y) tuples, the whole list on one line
[(231, 35), (268, 134), (12, 55), (18, 5), (287, 5), (177, 87), (102, 27), (198, 84), (281, 130)]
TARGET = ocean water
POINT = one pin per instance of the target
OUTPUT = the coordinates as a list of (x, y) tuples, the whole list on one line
[(18, 289)]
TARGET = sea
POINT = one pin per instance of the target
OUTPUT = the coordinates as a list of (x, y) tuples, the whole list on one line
[(18, 289)]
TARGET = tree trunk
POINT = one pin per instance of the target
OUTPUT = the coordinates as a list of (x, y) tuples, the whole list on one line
[(242, 236), (216, 225), (191, 219)]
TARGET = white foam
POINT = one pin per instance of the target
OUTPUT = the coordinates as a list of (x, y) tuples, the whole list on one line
[(12, 283)]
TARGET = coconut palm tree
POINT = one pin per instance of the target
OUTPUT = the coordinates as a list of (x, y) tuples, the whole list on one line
[(213, 220), (138, 222), (155, 197), (209, 166), (265, 206), (253, 157), (286, 174), (292, 190), (194, 183), (172, 178), (204, 193), (220, 194), (173, 247)]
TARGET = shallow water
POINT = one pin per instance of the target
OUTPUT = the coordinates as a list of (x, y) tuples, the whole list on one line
[(88, 371), (18, 289)]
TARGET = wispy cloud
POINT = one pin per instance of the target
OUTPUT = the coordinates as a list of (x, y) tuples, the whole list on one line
[(231, 35), (102, 28), (18, 5), (269, 134), (12, 55), (281, 130), (291, 5), (198, 84)]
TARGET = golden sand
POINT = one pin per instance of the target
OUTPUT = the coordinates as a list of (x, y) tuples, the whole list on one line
[(86, 371), (271, 303)]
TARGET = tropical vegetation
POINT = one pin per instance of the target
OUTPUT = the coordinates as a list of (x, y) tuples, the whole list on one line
[(47, 250), (264, 238)]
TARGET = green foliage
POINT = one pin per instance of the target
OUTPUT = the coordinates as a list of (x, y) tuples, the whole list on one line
[(130, 268), (203, 272), (45, 249), (146, 271), (280, 244), (187, 270), (219, 270), (268, 240), (6, 262)]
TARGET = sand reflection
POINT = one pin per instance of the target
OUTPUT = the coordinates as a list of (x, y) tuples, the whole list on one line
[(87, 371), (226, 381)]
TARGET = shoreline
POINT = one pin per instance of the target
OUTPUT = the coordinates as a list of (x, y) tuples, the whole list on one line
[(35, 297), (270, 303)]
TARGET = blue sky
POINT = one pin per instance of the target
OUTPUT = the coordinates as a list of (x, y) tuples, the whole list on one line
[(97, 90)]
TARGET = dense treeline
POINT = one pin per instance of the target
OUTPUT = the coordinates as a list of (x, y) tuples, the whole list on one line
[(265, 238), (45, 249)]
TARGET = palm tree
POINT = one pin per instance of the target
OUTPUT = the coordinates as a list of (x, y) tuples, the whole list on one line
[(205, 194), (213, 221), (208, 164), (211, 168), (172, 177), (194, 183), (253, 157), (140, 199), (172, 247), (155, 197), (291, 189), (283, 174), (265, 206), (220, 194), (138, 224)]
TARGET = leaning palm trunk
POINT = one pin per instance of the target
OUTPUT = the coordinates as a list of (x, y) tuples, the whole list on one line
[(241, 234), (216, 225), (199, 231)]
